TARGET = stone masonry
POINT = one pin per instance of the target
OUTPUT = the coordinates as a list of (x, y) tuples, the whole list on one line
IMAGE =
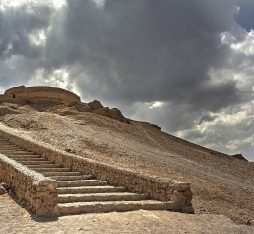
[(162, 189), (39, 94), (36, 191)]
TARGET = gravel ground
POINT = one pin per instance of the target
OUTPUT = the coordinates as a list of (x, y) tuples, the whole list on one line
[(14, 219)]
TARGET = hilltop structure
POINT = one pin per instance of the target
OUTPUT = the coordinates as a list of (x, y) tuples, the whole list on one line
[(58, 100), (40, 94)]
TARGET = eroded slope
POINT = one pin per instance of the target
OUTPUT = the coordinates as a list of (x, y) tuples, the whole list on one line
[(221, 184)]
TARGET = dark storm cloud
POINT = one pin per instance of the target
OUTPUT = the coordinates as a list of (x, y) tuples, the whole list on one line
[(146, 50), (18, 56), (207, 118), (16, 24)]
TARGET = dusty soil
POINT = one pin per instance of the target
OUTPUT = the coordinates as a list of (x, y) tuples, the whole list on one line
[(14, 219), (221, 184)]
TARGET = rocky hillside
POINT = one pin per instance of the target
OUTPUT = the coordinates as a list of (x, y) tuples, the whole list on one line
[(221, 184)]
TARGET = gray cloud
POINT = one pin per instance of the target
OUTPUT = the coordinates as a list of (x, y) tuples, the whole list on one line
[(146, 50), (19, 57), (16, 26)]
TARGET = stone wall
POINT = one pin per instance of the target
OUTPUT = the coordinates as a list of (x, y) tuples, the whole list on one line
[(158, 188), (9, 99), (40, 94), (37, 192)]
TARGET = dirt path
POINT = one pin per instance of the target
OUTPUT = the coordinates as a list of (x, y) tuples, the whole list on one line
[(14, 219)]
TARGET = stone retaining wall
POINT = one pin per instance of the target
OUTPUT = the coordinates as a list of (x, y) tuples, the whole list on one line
[(157, 188), (38, 192)]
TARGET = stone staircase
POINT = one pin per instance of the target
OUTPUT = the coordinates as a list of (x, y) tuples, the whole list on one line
[(79, 193)]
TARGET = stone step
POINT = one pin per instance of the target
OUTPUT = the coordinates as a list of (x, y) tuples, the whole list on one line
[(68, 178), (52, 169), (43, 165), (5, 143), (16, 152), (36, 162), (91, 189), (9, 148), (109, 206), (24, 158), (120, 196), (60, 173), (80, 183)]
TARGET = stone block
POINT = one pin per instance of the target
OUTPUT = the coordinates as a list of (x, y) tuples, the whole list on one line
[(2, 190)]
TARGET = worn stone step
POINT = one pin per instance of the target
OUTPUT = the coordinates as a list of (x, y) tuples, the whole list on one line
[(91, 189), (109, 206), (43, 165), (120, 196), (35, 162), (24, 158), (81, 177), (16, 152), (81, 183), (60, 173), (3, 142), (52, 169), (9, 147)]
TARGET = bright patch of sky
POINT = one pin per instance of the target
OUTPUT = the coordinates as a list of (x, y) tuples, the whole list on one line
[(38, 38), (58, 78), (17, 3), (156, 105), (247, 46)]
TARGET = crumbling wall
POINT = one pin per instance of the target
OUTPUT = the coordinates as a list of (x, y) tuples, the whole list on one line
[(39, 95), (37, 192)]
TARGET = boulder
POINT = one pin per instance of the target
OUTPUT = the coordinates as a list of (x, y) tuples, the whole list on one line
[(95, 105), (113, 113), (117, 114), (154, 126), (2, 190), (81, 107), (6, 186), (7, 110), (239, 156)]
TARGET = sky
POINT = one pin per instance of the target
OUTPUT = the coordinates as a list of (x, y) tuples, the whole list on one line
[(187, 66)]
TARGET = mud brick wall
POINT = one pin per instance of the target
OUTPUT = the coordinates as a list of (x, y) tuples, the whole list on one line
[(37, 192), (40, 94)]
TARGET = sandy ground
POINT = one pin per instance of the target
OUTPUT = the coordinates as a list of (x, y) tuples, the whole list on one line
[(221, 185), (14, 219)]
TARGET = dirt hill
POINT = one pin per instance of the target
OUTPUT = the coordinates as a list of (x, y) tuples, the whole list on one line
[(221, 184)]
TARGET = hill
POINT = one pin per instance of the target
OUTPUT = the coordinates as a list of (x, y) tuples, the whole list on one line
[(221, 184)]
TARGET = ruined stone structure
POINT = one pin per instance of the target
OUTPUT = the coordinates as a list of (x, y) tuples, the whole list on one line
[(39, 94), (54, 182), (51, 96)]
